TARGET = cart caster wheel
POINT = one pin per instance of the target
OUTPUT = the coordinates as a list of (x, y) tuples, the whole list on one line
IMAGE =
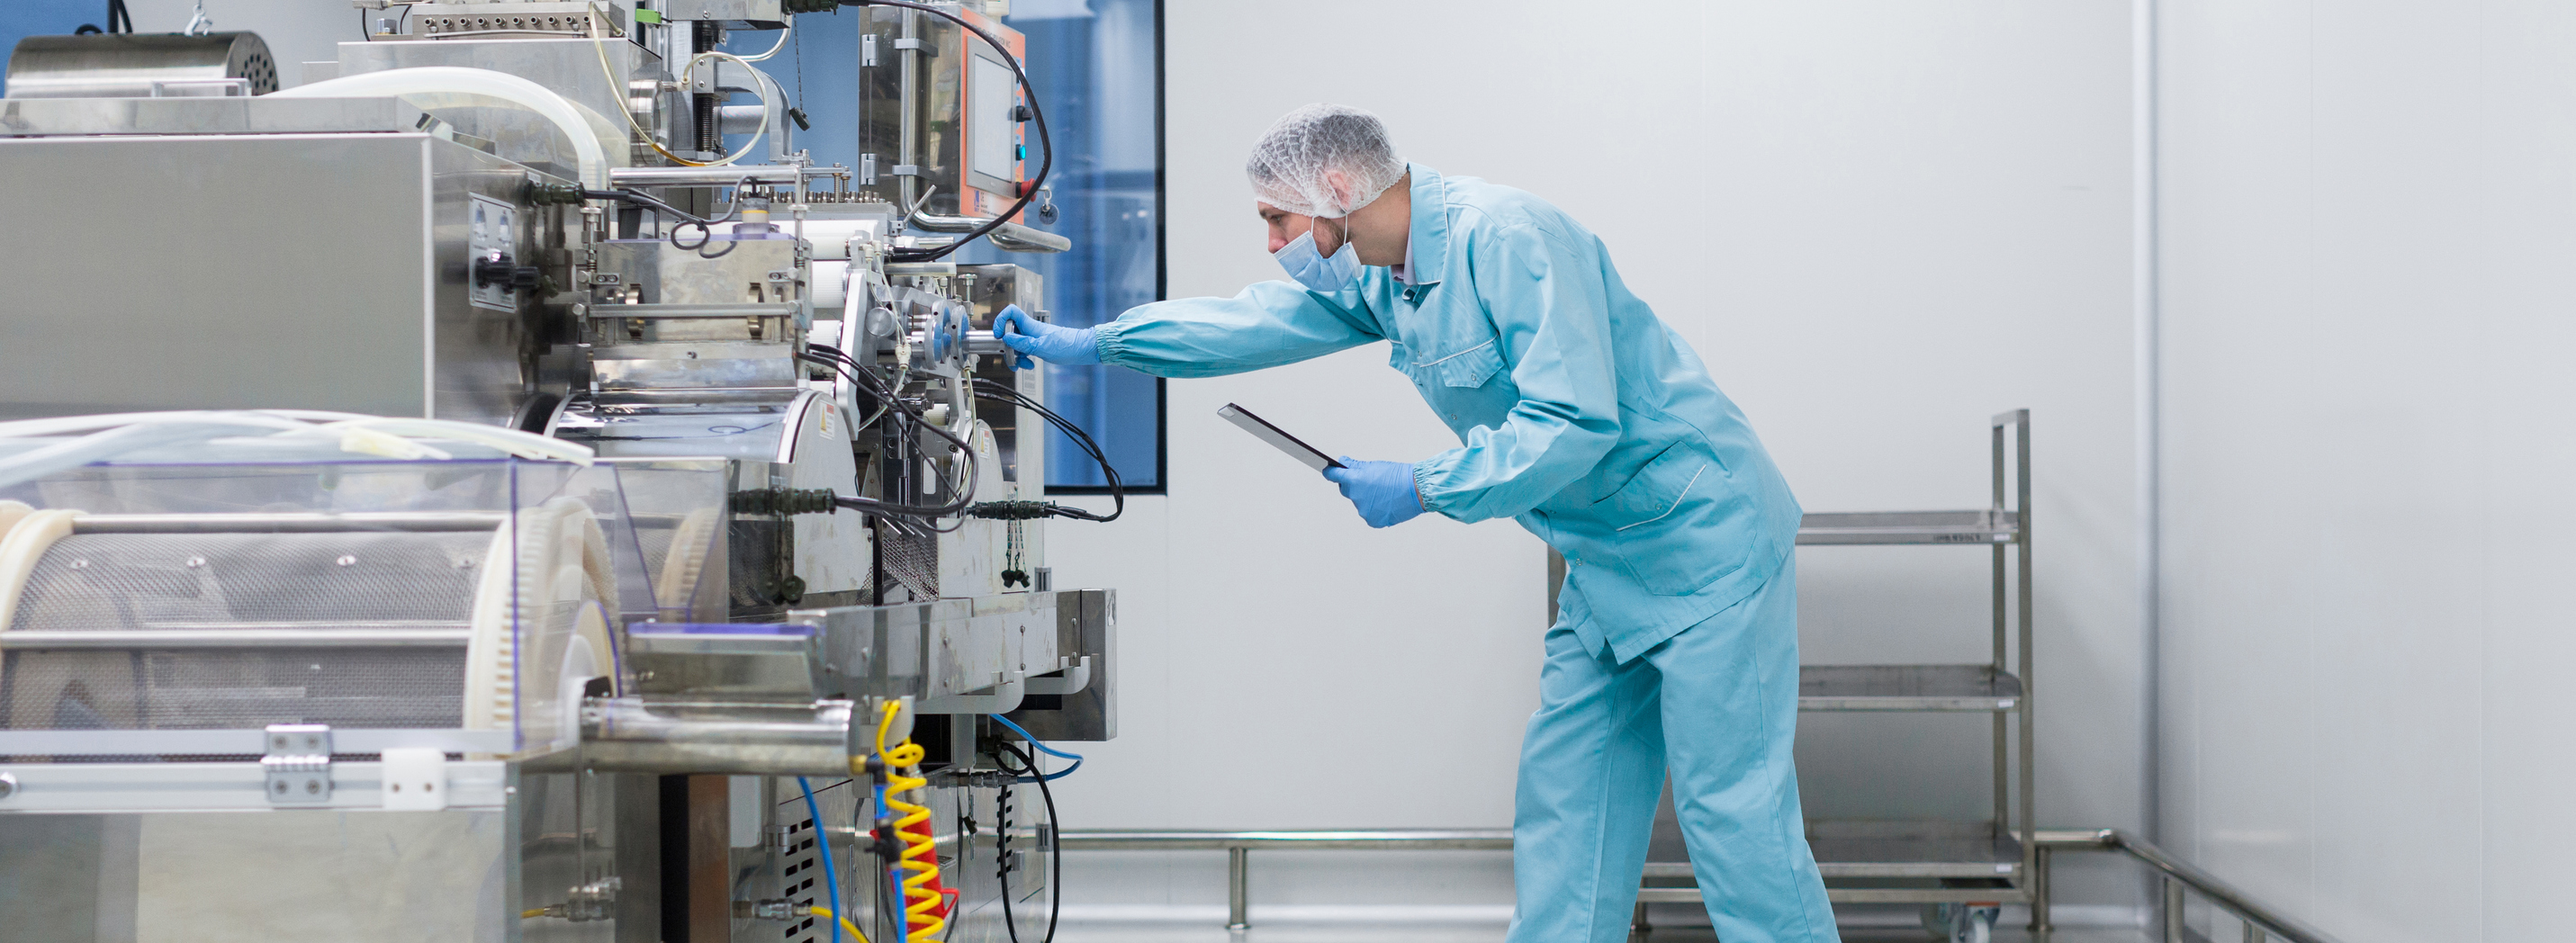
[(1962, 923)]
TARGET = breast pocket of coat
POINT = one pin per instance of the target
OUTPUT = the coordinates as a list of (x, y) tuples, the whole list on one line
[(1669, 524), (1470, 364)]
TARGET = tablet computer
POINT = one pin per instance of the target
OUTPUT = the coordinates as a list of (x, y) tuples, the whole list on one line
[(1261, 429)]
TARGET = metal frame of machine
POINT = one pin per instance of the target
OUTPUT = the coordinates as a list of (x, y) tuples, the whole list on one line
[(779, 597)]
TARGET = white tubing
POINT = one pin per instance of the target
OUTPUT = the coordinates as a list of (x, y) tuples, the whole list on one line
[(271, 418), (526, 445), (431, 81), (104, 445), (109, 436)]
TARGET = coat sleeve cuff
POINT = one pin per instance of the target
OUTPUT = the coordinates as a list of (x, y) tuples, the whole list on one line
[(1110, 341), (1422, 485)]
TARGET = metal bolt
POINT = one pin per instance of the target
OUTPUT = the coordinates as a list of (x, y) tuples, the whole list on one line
[(313, 787), (8, 785), (346, 560)]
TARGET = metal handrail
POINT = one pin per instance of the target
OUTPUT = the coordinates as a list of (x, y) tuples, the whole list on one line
[(1417, 839), (2260, 920), (1238, 846), (2176, 870)]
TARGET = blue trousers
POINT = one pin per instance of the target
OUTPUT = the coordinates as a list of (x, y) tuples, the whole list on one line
[(1717, 704)]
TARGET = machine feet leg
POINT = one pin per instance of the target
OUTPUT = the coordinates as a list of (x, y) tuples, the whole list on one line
[(2173, 911), (2040, 924), (1238, 888)]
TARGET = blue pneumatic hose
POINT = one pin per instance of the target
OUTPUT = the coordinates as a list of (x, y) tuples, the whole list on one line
[(823, 850), (1042, 748)]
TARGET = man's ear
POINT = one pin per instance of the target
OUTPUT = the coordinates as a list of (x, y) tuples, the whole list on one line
[(1340, 184)]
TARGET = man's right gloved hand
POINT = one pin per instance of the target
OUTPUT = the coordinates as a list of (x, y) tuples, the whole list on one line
[(1034, 338)]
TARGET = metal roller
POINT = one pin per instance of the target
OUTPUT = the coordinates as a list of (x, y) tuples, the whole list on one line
[(135, 65)]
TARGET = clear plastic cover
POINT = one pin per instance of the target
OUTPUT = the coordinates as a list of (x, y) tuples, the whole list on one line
[(472, 593)]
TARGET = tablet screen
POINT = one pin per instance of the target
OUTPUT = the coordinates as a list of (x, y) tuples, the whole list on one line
[(1260, 428)]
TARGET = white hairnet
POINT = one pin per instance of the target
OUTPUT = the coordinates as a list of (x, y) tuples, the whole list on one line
[(1293, 165)]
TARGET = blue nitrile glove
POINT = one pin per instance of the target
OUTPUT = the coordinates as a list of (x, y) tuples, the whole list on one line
[(1383, 491), (1034, 338)]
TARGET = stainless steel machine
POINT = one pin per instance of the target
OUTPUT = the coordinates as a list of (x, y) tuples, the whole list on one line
[(502, 489)]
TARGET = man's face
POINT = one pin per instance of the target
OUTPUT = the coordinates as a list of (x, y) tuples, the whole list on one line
[(1285, 227)]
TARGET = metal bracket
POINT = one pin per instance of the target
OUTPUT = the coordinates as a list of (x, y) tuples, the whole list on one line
[(867, 170), (1008, 690), (231, 87), (298, 763), (923, 45), (868, 50), (905, 170), (1072, 681)]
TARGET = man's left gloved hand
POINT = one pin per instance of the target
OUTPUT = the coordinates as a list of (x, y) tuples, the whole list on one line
[(1031, 337), (1382, 491)]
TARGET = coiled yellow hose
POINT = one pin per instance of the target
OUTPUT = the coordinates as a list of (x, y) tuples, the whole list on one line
[(922, 920)]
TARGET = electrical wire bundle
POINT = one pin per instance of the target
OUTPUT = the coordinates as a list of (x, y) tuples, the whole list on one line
[(993, 391), (961, 496), (1046, 145)]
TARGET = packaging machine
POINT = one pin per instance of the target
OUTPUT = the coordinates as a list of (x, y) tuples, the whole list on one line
[(502, 489)]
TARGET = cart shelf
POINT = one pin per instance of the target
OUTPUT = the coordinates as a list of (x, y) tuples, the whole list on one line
[(1907, 688), (1987, 527)]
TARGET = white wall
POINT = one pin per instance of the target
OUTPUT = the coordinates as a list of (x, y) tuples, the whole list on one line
[(2367, 596), (1880, 222)]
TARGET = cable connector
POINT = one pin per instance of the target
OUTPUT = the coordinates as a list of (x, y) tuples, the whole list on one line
[(1012, 510), (784, 501), (979, 778), (554, 194)]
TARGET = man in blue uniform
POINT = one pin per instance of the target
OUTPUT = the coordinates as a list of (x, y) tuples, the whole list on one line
[(1587, 420)]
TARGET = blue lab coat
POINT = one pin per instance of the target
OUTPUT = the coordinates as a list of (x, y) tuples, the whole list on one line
[(1592, 424)]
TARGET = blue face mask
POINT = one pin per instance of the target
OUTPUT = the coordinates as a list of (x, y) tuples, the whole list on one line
[(1308, 266)]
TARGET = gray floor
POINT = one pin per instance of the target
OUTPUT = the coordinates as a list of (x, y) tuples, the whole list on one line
[(1475, 931)]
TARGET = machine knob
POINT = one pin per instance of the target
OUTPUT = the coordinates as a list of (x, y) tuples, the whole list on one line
[(498, 270)]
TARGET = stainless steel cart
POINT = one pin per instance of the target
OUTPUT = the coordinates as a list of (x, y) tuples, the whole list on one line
[(1929, 862)]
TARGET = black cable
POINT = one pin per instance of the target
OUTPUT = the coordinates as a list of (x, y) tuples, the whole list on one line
[(1055, 888), (1002, 857), (121, 20), (1046, 144), (1023, 510), (1001, 392), (687, 218), (646, 200), (964, 492)]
